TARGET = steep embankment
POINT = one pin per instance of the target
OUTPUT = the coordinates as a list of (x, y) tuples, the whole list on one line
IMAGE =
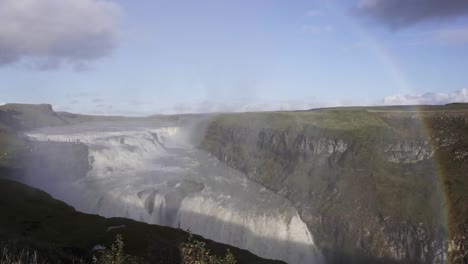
[(372, 184)]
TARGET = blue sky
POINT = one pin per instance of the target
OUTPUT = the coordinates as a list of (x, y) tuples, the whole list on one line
[(145, 57)]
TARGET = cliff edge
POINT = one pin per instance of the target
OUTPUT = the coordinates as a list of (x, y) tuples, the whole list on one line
[(374, 185)]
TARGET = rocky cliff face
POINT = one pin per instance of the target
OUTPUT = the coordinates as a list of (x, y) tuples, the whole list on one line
[(368, 193), (26, 117)]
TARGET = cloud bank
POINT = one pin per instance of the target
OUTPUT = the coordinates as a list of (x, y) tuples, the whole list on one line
[(51, 32), (402, 13), (427, 98)]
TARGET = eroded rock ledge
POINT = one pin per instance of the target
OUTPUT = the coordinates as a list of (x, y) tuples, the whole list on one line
[(367, 198)]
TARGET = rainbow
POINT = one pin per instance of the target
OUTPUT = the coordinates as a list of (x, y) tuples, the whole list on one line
[(441, 176), (391, 65), (382, 53)]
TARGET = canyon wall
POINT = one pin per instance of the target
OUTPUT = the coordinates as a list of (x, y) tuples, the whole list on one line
[(372, 186)]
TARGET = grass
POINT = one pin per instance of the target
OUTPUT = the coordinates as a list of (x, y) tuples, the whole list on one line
[(23, 257), (333, 119), (191, 251), (339, 123)]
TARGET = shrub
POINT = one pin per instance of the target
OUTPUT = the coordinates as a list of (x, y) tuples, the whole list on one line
[(115, 254), (195, 252)]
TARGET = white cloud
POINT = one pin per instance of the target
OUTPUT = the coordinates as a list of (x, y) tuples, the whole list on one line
[(427, 98), (50, 32)]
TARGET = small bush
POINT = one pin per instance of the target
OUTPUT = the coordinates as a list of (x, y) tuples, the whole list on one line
[(115, 254), (195, 252)]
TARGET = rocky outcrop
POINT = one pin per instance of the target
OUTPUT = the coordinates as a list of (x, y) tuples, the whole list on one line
[(367, 198), (409, 152), (27, 116)]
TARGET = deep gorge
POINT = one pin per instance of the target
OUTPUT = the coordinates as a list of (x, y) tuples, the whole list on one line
[(371, 186)]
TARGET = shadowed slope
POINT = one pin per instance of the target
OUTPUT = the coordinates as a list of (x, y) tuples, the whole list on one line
[(33, 219)]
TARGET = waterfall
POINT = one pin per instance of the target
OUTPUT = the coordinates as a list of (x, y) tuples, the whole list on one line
[(153, 174)]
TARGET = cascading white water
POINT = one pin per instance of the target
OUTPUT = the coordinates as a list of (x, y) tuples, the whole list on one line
[(153, 174)]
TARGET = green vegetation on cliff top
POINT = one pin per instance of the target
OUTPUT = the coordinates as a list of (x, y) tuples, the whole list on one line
[(331, 119), (344, 122)]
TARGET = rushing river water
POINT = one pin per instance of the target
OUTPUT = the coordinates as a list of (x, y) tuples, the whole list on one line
[(153, 173)]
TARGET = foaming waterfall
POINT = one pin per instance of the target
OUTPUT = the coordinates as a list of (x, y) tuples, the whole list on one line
[(153, 174)]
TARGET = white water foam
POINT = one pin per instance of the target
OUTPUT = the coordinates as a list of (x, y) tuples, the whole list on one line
[(153, 174)]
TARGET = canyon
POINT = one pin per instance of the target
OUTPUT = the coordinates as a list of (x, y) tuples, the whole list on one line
[(344, 185)]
